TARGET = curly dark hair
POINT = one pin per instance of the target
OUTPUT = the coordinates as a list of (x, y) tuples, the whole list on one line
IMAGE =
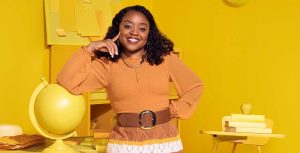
[(157, 46)]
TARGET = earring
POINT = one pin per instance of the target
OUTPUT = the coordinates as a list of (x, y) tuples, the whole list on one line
[(118, 43)]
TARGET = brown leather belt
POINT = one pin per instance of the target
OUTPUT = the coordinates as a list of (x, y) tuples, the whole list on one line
[(146, 119)]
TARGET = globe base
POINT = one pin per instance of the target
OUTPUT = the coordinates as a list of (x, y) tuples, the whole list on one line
[(59, 147)]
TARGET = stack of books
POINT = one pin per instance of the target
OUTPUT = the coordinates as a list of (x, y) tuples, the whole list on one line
[(247, 124), (100, 139), (20, 141)]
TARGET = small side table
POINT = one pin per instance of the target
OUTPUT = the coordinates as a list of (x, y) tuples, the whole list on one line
[(240, 138)]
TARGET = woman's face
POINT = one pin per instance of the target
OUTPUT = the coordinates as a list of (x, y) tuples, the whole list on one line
[(134, 30)]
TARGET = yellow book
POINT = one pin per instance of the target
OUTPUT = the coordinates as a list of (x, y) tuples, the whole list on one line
[(86, 141), (100, 148), (101, 133), (100, 144), (245, 124), (248, 130), (98, 95), (248, 118)]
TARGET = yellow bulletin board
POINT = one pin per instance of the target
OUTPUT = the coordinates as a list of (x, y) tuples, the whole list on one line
[(77, 22)]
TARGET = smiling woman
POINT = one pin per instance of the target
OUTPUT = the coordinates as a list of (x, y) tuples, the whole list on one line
[(137, 85)]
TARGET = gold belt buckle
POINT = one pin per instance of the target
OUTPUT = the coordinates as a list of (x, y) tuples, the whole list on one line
[(153, 119)]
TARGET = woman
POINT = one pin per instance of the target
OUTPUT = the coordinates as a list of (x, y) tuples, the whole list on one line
[(135, 64)]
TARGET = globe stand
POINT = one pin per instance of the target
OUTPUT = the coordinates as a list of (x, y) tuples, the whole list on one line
[(58, 146)]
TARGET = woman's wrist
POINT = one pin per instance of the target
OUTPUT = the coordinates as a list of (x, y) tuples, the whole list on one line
[(90, 48)]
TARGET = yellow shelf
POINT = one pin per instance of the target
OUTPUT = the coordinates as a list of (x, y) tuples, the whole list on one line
[(96, 102)]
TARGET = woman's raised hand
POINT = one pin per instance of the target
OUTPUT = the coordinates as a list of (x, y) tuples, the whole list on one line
[(106, 45)]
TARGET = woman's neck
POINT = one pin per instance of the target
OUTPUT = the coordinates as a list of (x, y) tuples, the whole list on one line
[(136, 55)]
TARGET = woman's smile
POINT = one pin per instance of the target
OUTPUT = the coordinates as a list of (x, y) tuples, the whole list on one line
[(133, 40)]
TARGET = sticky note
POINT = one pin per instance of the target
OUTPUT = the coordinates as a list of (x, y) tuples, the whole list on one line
[(60, 32)]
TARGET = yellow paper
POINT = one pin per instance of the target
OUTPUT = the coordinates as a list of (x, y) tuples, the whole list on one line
[(94, 38), (54, 5), (104, 14), (101, 23), (60, 32), (71, 38), (67, 14), (116, 6), (86, 22)]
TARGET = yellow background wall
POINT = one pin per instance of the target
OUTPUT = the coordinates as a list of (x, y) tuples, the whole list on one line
[(245, 54), (24, 58)]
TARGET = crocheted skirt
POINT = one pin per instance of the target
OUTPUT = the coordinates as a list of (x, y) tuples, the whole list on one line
[(163, 138)]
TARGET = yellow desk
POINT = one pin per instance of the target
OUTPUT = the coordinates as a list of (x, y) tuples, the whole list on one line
[(240, 138)]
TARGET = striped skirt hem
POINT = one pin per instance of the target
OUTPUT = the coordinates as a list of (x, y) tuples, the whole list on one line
[(166, 145)]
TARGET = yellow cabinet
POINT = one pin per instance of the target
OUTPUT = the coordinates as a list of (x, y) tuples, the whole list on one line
[(99, 114)]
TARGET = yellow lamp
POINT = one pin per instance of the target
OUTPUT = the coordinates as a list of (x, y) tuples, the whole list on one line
[(55, 113)]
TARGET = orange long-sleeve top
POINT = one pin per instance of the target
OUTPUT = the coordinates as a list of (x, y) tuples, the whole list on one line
[(134, 88)]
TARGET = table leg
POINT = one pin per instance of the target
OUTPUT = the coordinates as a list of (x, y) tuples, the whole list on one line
[(215, 144), (234, 147), (258, 149)]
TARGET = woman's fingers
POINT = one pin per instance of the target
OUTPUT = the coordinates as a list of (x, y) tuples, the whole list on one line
[(114, 40), (101, 46), (116, 37), (114, 47), (113, 44), (107, 45)]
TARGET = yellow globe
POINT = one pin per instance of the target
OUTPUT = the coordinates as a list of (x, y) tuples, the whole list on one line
[(56, 113)]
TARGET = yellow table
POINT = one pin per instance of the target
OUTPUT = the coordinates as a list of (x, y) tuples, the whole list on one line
[(240, 138)]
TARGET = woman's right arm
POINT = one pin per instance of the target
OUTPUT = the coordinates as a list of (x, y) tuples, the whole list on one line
[(81, 73)]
